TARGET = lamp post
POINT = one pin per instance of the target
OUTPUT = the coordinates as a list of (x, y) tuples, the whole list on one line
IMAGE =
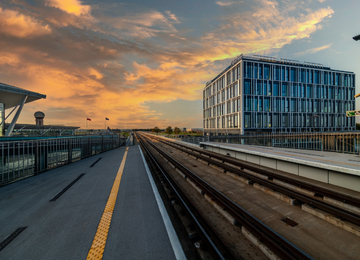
[(357, 37)]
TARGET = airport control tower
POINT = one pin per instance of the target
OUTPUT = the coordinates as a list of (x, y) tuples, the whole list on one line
[(39, 118)]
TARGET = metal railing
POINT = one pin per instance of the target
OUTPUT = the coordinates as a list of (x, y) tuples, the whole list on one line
[(333, 142), (130, 140), (188, 138), (20, 159)]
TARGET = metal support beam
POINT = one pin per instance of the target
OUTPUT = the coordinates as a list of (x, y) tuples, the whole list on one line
[(47, 130), (9, 114), (21, 129), (13, 122)]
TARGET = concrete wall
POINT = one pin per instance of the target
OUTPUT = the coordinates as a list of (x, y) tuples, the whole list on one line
[(295, 167)]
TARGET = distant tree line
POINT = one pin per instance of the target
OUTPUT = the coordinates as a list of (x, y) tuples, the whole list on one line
[(168, 130)]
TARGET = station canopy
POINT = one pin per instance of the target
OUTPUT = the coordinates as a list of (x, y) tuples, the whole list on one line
[(11, 96)]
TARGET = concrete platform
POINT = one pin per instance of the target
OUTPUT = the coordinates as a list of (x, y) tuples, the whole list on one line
[(339, 169), (64, 229)]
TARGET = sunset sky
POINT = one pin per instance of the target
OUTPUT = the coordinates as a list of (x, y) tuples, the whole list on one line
[(144, 63)]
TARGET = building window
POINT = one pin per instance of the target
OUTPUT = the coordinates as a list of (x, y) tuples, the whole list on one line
[(247, 89), (247, 118), (266, 72), (276, 88)]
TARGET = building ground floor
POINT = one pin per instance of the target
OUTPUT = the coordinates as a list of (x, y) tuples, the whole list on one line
[(237, 131)]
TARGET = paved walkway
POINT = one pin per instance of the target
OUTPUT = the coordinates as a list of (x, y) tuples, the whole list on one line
[(75, 224)]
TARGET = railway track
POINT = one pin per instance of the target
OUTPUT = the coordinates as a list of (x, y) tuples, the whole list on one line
[(277, 244), (238, 167), (215, 245)]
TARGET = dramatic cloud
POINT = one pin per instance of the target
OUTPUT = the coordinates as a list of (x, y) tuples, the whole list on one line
[(70, 6), (225, 3), (114, 60), (19, 25), (313, 50), (264, 29)]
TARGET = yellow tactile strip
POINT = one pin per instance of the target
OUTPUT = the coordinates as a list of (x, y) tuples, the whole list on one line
[(98, 245)]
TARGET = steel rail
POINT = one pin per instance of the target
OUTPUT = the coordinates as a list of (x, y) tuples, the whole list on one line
[(337, 212), (280, 246), (217, 246), (310, 187)]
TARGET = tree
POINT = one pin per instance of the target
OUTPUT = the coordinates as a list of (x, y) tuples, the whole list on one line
[(176, 130), (168, 130), (156, 129)]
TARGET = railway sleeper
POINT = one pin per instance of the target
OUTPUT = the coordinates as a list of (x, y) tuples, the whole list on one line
[(189, 227), (276, 194), (328, 200), (350, 227), (270, 254), (337, 203), (222, 211), (181, 173), (240, 178), (202, 251), (192, 234), (343, 205), (228, 216)]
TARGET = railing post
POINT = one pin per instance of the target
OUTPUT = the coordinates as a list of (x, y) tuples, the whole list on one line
[(36, 158), (69, 151), (102, 143), (89, 147)]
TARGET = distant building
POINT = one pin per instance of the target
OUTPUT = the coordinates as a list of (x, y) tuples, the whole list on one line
[(195, 129), (39, 118), (264, 94), (42, 130), (10, 97)]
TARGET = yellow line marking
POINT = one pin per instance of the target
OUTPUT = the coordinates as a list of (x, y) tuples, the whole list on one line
[(98, 245)]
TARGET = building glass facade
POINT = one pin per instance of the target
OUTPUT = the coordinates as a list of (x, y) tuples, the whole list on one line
[(2, 117), (263, 94)]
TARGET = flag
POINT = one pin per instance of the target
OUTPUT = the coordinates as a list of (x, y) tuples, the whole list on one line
[(106, 118), (88, 119)]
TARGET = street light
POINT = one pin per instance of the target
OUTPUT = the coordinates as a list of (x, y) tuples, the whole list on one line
[(357, 37)]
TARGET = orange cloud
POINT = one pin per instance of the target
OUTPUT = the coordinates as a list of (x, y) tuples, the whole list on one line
[(134, 58), (19, 25), (70, 6), (266, 29), (8, 59)]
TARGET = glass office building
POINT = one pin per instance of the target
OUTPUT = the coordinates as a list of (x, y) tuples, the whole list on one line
[(263, 94)]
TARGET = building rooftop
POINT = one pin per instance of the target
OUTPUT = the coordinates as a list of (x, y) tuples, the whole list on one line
[(42, 127), (305, 64), (11, 96)]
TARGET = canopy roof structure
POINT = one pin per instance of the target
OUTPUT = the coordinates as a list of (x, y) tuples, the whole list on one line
[(11, 96), (15, 97), (42, 127)]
